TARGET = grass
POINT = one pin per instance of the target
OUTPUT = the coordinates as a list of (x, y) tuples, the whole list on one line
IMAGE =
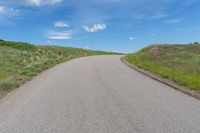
[(19, 62), (179, 63)]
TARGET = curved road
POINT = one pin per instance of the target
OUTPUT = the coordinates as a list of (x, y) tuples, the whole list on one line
[(97, 94)]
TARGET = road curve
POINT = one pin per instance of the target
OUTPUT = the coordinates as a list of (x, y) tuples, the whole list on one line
[(97, 94)]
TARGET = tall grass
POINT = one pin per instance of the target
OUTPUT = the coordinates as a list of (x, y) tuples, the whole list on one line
[(179, 63)]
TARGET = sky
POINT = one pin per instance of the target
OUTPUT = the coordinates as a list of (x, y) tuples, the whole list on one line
[(111, 25)]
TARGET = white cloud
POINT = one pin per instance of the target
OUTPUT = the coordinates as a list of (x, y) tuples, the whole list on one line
[(43, 2), (87, 47), (152, 34), (159, 16), (2, 9), (131, 38), (58, 35), (174, 21), (95, 27), (61, 24), (50, 42), (8, 11), (187, 28)]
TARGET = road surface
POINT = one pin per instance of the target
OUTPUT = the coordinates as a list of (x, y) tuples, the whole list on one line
[(97, 94)]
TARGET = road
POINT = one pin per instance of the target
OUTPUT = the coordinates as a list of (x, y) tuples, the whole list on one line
[(97, 94)]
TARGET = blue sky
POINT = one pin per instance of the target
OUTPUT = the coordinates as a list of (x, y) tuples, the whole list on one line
[(112, 25)]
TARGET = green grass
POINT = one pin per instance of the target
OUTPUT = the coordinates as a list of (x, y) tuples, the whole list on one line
[(19, 62), (179, 63)]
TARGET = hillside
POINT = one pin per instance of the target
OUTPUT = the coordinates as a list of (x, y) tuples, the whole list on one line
[(19, 62), (179, 63)]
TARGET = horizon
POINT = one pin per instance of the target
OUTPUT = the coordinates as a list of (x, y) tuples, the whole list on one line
[(147, 45), (97, 25)]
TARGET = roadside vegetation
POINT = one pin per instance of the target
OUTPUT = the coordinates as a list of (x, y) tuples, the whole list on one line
[(19, 62), (179, 63)]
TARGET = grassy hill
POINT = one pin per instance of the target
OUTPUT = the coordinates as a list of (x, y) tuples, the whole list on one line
[(179, 63), (19, 62)]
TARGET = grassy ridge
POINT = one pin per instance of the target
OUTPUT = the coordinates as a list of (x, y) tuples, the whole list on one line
[(179, 63), (19, 62)]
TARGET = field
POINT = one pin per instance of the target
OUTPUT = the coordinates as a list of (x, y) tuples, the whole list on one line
[(179, 63), (19, 62)]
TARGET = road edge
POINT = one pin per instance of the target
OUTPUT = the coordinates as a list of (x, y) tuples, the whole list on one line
[(44, 70), (162, 80)]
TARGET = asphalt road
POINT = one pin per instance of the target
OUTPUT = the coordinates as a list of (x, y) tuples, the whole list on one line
[(97, 94)]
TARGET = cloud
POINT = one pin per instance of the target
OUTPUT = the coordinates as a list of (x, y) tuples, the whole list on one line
[(61, 24), (131, 38), (8, 11), (159, 16), (152, 34), (50, 42), (95, 27), (174, 21), (87, 47), (2, 9), (57, 35), (42, 2), (187, 28)]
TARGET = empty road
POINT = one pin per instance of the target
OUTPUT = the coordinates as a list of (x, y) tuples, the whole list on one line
[(97, 94)]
